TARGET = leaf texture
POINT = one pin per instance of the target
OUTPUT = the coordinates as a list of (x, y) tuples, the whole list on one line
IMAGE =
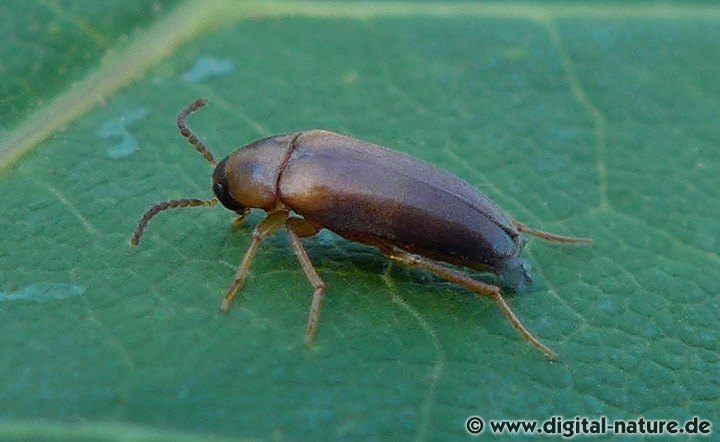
[(588, 119)]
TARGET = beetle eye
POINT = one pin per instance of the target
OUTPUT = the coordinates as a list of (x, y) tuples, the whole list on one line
[(221, 192)]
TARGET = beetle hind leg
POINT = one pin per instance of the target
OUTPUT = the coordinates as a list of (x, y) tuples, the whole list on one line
[(299, 228), (473, 285), (547, 236)]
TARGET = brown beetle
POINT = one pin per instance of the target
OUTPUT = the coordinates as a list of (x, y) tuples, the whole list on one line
[(415, 213)]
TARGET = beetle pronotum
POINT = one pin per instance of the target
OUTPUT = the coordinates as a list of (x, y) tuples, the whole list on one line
[(413, 212)]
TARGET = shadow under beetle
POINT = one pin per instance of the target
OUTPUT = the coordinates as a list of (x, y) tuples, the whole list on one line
[(413, 212)]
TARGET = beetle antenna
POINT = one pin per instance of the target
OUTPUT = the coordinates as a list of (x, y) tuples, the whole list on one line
[(189, 135), (547, 236), (157, 208)]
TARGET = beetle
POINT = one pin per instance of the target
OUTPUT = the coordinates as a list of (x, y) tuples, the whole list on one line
[(413, 212)]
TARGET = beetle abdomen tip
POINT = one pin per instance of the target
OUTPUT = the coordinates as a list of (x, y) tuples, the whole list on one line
[(515, 273)]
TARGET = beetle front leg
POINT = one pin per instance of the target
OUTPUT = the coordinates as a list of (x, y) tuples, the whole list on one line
[(271, 224), (296, 229), (240, 219), (471, 284)]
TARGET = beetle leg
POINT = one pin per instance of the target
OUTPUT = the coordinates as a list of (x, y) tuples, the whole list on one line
[(271, 224), (471, 284), (240, 219), (310, 273), (547, 236), (302, 227)]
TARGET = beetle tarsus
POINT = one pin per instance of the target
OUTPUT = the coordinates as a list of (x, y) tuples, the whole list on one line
[(497, 296), (547, 236)]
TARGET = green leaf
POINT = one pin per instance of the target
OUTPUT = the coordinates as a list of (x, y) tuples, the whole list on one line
[(594, 120)]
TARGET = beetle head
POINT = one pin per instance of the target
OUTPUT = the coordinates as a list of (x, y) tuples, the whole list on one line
[(247, 178), (221, 188)]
